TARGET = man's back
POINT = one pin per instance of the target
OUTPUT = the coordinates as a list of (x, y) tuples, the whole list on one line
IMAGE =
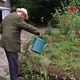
[(11, 33)]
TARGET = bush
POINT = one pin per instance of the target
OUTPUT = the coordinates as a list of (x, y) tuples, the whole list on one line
[(2, 78), (60, 58), (38, 9)]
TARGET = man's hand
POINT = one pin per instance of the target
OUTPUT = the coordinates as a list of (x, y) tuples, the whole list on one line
[(38, 33)]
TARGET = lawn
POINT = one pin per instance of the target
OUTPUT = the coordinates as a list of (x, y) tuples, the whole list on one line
[(1, 78), (60, 59)]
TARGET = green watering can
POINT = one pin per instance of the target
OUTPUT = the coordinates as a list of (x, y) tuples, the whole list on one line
[(38, 45)]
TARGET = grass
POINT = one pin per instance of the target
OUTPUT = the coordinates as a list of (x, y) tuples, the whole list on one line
[(60, 57), (2, 78)]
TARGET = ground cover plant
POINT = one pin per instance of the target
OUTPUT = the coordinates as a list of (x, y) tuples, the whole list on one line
[(60, 60), (1, 78)]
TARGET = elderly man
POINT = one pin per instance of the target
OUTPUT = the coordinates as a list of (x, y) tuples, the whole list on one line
[(10, 29)]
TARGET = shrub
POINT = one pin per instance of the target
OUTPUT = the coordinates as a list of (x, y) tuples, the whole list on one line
[(59, 58), (69, 21)]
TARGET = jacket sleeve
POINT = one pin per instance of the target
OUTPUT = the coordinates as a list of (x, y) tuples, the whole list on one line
[(1, 25), (23, 25)]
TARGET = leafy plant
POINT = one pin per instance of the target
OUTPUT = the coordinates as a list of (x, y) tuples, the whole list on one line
[(69, 20), (59, 57), (2, 78)]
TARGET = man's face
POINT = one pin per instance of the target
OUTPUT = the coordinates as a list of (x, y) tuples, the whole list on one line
[(26, 17), (23, 16)]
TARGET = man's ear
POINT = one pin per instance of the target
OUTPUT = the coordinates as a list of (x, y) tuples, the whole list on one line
[(27, 17)]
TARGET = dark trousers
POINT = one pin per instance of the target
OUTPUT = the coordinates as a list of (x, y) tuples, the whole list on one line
[(13, 64)]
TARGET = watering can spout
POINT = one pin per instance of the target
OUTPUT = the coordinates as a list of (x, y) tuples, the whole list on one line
[(45, 45)]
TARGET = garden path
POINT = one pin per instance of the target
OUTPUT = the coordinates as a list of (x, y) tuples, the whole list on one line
[(4, 69)]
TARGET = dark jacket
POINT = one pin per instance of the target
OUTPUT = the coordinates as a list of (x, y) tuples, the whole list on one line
[(10, 29)]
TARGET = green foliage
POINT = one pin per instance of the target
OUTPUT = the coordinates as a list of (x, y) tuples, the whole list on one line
[(1, 78), (60, 56), (74, 2), (69, 20), (38, 9), (53, 22)]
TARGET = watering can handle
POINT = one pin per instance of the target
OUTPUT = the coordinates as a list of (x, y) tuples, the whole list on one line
[(38, 33), (40, 36), (36, 38)]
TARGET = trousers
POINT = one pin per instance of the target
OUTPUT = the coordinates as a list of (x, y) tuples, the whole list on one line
[(12, 58)]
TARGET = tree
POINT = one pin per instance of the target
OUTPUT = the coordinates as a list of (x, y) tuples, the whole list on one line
[(39, 10)]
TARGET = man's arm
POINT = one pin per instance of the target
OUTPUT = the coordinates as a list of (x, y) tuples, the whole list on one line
[(23, 25)]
